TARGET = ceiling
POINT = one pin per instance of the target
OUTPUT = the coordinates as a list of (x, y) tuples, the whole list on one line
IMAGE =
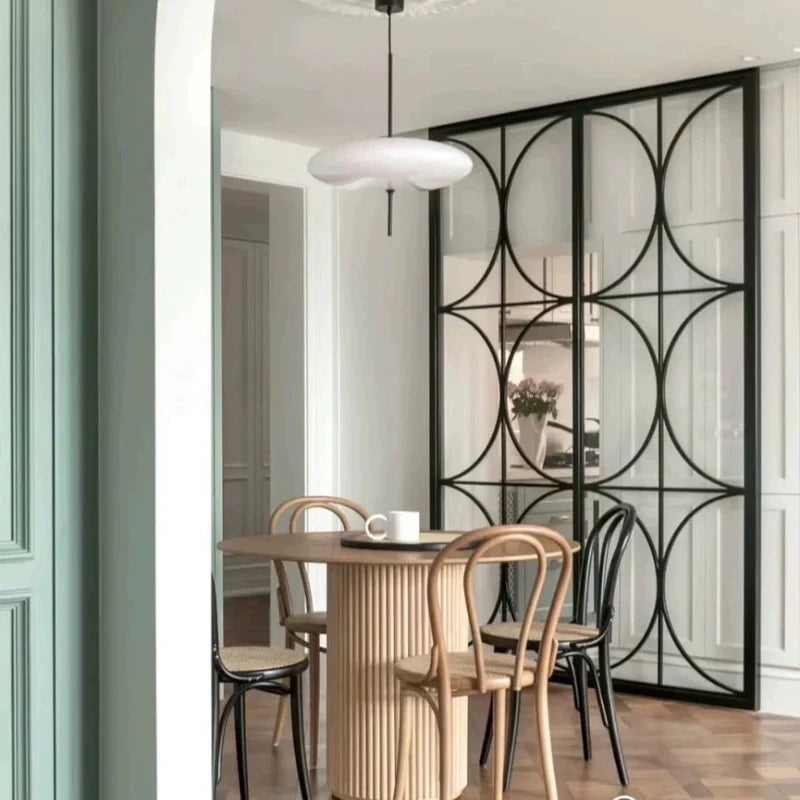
[(290, 71)]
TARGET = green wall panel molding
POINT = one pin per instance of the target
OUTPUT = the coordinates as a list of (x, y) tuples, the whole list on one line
[(14, 475), (14, 712), (48, 400)]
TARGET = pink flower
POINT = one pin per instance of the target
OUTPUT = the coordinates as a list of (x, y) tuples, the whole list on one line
[(527, 385), (511, 388)]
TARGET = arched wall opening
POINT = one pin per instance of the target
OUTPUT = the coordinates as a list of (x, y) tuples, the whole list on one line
[(154, 404)]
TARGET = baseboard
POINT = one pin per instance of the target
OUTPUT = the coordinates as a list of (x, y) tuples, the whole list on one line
[(780, 686), (780, 691), (246, 579)]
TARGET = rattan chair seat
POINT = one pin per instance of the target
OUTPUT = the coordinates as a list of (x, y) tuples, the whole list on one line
[(260, 659)]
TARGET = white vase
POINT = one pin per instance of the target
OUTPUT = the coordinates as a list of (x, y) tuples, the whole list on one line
[(533, 437)]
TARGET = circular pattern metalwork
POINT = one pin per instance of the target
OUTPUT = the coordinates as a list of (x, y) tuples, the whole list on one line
[(660, 346)]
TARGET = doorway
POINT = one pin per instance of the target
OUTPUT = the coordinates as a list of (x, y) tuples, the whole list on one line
[(261, 372)]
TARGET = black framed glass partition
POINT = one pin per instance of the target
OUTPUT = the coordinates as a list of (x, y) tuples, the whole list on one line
[(594, 339)]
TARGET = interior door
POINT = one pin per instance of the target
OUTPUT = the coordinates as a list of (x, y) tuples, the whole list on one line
[(245, 397)]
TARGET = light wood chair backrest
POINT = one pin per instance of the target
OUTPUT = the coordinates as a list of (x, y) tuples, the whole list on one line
[(295, 510), (526, 537)]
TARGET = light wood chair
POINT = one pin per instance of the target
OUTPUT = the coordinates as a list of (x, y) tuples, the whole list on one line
[(436, 678), (305, 627)]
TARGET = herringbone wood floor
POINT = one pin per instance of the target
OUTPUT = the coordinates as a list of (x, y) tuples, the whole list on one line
[(674, 750)]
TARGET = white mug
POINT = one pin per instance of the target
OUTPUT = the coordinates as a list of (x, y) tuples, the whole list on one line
[(402, 526)]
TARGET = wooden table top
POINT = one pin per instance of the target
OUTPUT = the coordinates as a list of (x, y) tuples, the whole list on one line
[(326, 548)]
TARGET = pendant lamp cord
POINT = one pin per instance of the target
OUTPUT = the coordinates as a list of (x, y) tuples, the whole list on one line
[(390, 191), (389, 73)]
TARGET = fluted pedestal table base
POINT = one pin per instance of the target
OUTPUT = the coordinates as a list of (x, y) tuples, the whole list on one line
[(378, 613)]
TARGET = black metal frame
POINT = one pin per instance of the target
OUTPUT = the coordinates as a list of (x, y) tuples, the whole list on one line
[(660, 352)]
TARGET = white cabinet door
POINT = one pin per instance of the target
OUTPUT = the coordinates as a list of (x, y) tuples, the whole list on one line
[(780, 115), (780, 577), (780, 353)]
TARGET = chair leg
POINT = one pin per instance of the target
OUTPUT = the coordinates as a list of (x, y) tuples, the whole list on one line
[(545, 745), (486, 746), (403, 746), (487, 735), (445, 747), (511, 737), (215, 723), (298, 736), (581, 680), (283, 704), (240, 725), (573, 679), (607, 689), (499, 756), (313, 710)]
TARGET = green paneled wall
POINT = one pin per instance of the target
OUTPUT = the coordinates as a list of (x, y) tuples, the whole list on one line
[(48, 442), (26, 411)]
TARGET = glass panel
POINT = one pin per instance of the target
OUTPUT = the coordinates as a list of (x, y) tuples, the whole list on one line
[(539, 210), (470, 225), (634, 639), (471, 394), (470, 507), (539, 506), (539, 360), (620, 197), (704, 389), (703, 196), (463, 510), (620, 391), (703, 591)]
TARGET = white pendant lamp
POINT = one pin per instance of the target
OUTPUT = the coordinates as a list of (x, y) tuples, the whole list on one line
[(392, 162)]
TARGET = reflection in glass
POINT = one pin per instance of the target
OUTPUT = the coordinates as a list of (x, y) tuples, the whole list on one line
[(539, 210), (539, 349), (470, 225)]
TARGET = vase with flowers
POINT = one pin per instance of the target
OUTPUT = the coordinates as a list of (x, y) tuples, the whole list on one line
[(532, 403)]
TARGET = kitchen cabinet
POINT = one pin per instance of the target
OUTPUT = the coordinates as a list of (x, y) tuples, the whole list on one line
[(780, 141), (780, 350)]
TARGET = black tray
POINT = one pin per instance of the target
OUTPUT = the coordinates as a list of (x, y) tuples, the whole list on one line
[(428, 540)]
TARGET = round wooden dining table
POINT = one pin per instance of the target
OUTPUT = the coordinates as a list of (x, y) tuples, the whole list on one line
[(377, 613)]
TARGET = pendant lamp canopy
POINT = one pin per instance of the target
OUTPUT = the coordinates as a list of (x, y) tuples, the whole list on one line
[(391, 162), (369, 8)]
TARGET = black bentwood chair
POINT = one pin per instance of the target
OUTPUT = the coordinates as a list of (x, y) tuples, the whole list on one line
[(264, 669), (600, 564)]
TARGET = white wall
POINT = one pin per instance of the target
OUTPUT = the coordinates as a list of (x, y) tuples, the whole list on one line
[(383, 351)]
